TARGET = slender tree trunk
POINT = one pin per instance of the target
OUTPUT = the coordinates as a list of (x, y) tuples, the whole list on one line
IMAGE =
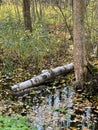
[(80, 62), (33, 10), (36, 8), (17, 12), (66, 23), (40, 5), (26, 13), (0, 2)]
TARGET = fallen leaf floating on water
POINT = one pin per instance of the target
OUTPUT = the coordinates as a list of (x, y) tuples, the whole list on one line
[(85, 128)]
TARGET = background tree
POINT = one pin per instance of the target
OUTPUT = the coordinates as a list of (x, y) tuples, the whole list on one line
[(80, 62), (0, 2), (26, 13)]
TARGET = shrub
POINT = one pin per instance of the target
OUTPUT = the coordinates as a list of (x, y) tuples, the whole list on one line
[(14, 123)]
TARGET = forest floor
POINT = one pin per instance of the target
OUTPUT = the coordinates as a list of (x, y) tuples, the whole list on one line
[(30, 104)]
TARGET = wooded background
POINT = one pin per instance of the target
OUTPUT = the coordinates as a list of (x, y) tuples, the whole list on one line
[(40, 34)]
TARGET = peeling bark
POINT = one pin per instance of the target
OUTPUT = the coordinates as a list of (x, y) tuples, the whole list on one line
[(47, 75)]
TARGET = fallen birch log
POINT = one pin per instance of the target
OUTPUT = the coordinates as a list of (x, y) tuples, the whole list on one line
[(36, 89), (47, 75)]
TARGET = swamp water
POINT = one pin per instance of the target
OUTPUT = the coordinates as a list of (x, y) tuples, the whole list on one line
[(61, 109)]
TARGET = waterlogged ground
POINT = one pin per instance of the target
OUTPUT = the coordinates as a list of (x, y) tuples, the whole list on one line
[(63, 109), (55, 109)]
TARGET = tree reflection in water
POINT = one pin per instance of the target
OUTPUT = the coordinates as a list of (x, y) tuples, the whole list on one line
[(59, 111)]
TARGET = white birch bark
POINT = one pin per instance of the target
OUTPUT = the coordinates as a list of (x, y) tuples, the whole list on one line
[(49, 74)]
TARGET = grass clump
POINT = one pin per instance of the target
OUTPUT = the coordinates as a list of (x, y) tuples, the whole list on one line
[(14, 123)]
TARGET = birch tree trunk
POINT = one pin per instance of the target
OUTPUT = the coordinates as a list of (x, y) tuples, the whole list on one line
[(47, 75), (80, 62)]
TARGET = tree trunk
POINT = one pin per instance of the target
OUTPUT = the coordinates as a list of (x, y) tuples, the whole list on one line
[(80, 62), (17, 12), (36, 8), (33, 11), (40, 8), (47, 75), (26, 13), (0, 2)]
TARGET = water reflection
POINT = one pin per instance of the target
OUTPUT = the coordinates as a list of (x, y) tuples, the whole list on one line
[(56, 112)]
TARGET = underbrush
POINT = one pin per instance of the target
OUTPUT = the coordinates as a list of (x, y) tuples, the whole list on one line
[(20, 48), (14, 123)]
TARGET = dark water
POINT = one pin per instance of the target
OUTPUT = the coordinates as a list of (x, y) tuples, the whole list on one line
[(60, 110)]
